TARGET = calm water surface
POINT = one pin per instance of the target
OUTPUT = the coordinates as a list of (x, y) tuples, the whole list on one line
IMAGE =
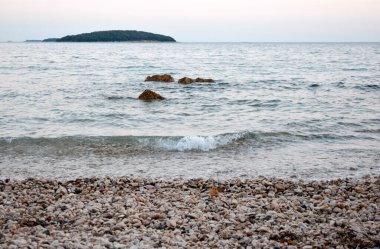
[(299, 110)]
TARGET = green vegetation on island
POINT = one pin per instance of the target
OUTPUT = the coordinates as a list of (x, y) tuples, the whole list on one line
[(50, 40), (116, 36)]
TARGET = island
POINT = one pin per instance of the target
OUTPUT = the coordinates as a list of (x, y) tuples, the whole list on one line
[(50, 40), (114, 36)]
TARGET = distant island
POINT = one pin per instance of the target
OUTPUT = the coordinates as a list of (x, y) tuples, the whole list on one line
[(50, 40), (114, 36), (32, 41)]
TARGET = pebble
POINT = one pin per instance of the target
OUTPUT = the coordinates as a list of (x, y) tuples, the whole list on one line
[(280, 187), (359, 190), (171, 223), (275, 206), (147, 213)]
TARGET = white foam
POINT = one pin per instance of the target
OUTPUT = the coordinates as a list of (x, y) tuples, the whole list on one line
[(202, 143), (8, 140)]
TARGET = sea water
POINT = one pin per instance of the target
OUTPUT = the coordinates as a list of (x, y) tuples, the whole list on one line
[(298, 110)]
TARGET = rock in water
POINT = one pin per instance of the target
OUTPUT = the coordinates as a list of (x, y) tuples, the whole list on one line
[(162, 78), (150, 95), (204, 80), (186, 80)]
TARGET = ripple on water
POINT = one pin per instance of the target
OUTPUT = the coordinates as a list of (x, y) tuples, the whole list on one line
[(295, 104)]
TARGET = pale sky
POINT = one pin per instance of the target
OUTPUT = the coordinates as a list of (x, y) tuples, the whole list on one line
[(196, 20)]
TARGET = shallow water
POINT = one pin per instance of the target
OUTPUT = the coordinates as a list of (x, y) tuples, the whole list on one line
[(298, 110)]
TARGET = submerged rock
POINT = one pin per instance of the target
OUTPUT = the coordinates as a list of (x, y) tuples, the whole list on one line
[(150, 95), (114, 97), (185, 80), (162, 78), (204, 80)]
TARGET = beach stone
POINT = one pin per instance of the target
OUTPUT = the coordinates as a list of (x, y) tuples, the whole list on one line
[(264, 229), (280, 187), (225, 234), (191, 216), (241, 218), (267, 183), (185, 80), (194, 238), (204, 80), (161, 78), (61, 190), (275, 206), (171, 223), (158, 216), (150, 95), (191, 201), (125, 212), (310, 189), (298, 191), (359, 190)]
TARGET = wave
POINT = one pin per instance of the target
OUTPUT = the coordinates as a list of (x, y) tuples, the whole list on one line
[(368, 87), (124, 143), (135, 144), (187, 143), (369, 131), (360, 69)]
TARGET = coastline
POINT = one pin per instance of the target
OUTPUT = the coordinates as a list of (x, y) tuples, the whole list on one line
[(114, 212)]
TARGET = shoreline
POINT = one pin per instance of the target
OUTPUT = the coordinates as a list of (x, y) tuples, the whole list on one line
[(113, 212)]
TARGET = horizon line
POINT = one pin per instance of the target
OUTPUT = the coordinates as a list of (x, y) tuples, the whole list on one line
[(41, 41)]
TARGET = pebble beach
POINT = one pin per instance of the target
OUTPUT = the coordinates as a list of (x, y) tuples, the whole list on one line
[(109, 140), (153, 213)]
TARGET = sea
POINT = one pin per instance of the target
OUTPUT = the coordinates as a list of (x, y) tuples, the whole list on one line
[(286, 110)]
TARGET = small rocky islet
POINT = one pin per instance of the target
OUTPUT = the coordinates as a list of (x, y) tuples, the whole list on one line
[(149, 95), (198, 213), (169, 78), (160, 78), (187, 80)]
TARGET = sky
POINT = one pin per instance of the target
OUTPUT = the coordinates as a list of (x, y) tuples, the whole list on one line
[(197, 20)]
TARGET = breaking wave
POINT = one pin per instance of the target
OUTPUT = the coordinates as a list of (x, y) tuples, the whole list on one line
[(119, 145), (187, 143)]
